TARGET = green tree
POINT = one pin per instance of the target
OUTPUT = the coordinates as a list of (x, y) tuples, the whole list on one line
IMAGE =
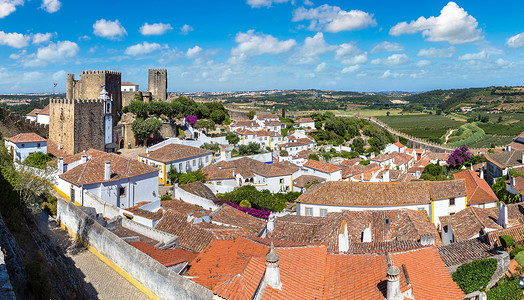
[(139, 108), (173, 175), (37, 160), (251, 114), (192, 177), (232, 138), (314, 156), (145, 128), (284, 153), (358, 144)]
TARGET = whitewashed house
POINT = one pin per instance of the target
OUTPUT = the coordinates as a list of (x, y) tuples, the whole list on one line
[(498, 164), (306, 123), (115, 179), (245, 125), (299, 145), (275, 126), (437, 198), (182, 158), (396, 147), (127, 86), (220, 177), (40, 116), (322, 169), (23, 144)]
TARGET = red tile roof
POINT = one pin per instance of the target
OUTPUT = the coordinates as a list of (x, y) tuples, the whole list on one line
[(247, 167), (299, 142), (228, 215), (399, 144), (185, 208), (174, 152), (469, 222), (347, 193), (245, 124), (478, 189), (462, 252), (52, 149), (304, 120), (215, 173), (30, 137), (93, 170), (321, 166), (127, 83), (303, 180), (44, 111), (169, 257), (235, 269), (137, 211)]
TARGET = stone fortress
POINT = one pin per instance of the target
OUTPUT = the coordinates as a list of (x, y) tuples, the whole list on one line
[(77, 122)]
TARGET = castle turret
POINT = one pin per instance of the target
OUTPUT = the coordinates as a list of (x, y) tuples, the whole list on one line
[(158, 84)]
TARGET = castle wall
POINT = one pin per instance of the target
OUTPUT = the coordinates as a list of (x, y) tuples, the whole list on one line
[(157, 79), (89, 125), (128, 97), (62, 116)]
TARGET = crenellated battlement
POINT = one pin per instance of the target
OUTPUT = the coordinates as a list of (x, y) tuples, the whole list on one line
[(75, 101), (158, 70), (100, 72)]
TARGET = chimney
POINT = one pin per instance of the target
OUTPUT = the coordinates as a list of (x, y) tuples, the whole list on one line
[(503, 215), (59, 146), (481, 173), (508, 148), (393, 283), (343, 238), (385, 176), (511, 181), (522, 157), (107, 170), (366, 235), (223, 156), (272, 275), (84, 158), (270, 223), (60, 165)]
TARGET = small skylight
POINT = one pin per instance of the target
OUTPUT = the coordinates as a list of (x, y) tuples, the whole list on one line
[(387, 221)]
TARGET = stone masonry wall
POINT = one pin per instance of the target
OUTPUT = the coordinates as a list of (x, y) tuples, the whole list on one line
[(89, 125), (157, 79), (61, 123)]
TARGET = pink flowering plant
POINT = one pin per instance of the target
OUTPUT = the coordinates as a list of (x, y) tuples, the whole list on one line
[(191, 120), (458, 157)]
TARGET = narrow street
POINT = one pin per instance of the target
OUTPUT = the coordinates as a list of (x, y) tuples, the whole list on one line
[(102, 282)]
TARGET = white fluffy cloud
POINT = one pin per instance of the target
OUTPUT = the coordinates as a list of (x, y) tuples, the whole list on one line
[(193, 52), (516, 41), (144, 48), (109, 29), (453, 25), (51, 6), (333, 19), (475, 56), (350, 54), (393, 60), (186, 29), (389, 74), (154, 29), (423, 63), (252, 44), (437, 53), (264, 3), (351, 69), (39, 38), (7, 7), (321, 67), (387, 47), (313, 47), (14, 39), (54, 52)]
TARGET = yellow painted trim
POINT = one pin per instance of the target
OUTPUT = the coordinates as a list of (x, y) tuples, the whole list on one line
[(165, 175), (242, 139), (291, 182), (466, 199), (112, 265), (433, 212), (60, 192)]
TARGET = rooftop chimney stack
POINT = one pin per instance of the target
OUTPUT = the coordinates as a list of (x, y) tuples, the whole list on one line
[(481, 173), (107, 170), (84, 158), (393, 284), (385, 176), (522, 157), (503, 215), (60, 165), (272, 275), (343, 238)]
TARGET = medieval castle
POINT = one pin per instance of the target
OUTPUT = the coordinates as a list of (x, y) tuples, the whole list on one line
[(79, 122)]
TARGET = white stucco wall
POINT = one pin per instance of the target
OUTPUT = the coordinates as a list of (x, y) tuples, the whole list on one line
[(333, 176), (22, 150), (301, 208), (442, 208), (42, 119)]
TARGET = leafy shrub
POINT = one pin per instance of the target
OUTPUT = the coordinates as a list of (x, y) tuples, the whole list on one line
[(259, 199), (506, 289), (515, 251), (213, 147), (506, 241), (284, 153), (165, 197), (37, 160), (519, 258), (245, 203), (314, 157), (258, 213), (474, 276)]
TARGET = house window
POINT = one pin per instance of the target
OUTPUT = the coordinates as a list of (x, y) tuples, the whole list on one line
[(281, 180), (387, 221), (194, 162), (451, 213), (38, 145), (207, 159), (445, 228), (219, 182), (180, 167), (122, 191), (451, 201), (23, 145), (323, 212), (309, 211)]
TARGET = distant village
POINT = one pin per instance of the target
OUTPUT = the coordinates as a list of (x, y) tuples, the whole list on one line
[(248, 212)]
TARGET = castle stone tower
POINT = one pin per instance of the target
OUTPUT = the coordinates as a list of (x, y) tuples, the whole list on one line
[(90, 83), (158, 84)]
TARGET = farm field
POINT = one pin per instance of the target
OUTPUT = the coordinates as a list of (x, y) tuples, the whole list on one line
[(423, 126)]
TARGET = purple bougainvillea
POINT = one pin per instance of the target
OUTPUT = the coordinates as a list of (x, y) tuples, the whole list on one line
[(459, 157), (258, 213), (191, 120)]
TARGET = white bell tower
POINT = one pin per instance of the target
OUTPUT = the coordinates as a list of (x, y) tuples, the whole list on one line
[(108, 118)]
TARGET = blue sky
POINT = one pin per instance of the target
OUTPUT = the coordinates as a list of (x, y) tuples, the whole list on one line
[(264, 44)]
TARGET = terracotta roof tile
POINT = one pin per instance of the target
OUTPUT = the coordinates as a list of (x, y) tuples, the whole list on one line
[(228, 215), (44, 111), (175, 152), (246, 167), (127, 83), (25, 138), (351, 162), (169, 257), (245, 124), (93, 170), (33, 112), (303, 180), (321, 166), (185, 208), (199, 189), (469, 222), (52, 149), (299, 142), (462, 252), (347, 193), (478, 189), (399, 144), (516, 232), (304, 120), (215, 173), (506, 159), (137, 211), (195, 237)]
